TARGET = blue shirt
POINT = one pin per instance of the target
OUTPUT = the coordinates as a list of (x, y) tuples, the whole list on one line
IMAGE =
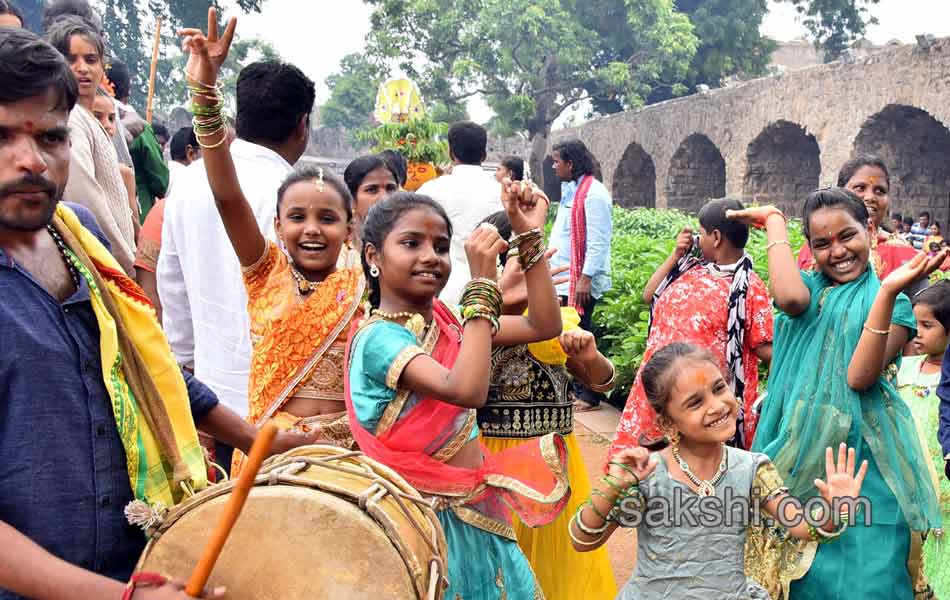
[(918, 233), (943, 392), (597, 210), (63, 476)]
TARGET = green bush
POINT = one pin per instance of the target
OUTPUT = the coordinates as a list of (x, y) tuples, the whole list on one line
[(642, 239)]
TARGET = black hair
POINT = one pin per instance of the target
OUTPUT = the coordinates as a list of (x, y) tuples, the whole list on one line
[(897, 217), (71, 8), (160, 131), (908, 220), (834, 197), (178, 147), (9, 8), (380, 221), (576, 153), (118, 75), (712, 217), (311, 173), (515, 166), (397, 164), (468, 142), (855, 164), (503, 225), (658, 379), (30, 67), (362, 166), (924, 213), (62, 30), (937, 297), (272, 97)]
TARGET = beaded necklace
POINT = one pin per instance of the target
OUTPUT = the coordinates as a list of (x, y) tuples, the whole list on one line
[(705, 487), (64, 253)]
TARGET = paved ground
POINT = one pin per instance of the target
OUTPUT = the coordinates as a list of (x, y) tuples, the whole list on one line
[(594, 431)]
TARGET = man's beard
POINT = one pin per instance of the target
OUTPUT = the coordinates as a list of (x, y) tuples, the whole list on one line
[(10, 222)]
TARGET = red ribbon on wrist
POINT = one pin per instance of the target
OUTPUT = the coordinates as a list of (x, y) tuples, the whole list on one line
[(145, 578)]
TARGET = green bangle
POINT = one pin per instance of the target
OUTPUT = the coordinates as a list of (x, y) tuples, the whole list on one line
[(616, 488), (593, 506), (628, 470)]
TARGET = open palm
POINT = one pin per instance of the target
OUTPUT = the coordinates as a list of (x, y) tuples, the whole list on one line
[(840, 478), (207, 53)]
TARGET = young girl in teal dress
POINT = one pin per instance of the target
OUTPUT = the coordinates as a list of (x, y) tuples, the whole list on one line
[(837, 343), (917, 383), (416, 372), (694, 548)]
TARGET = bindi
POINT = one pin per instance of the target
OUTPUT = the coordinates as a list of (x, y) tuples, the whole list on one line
[(30, 127)]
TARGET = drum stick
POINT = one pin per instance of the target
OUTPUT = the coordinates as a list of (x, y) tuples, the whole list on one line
[(199, 577)]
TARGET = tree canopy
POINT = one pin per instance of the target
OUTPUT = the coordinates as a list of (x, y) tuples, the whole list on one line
[(834, 24), (533, 59), (352, 94)]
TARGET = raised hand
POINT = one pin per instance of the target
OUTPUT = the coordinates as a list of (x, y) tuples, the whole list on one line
[(482, 249), (840, 478), (525, 203), (684, 241), (514, 286), (207, 53), (754, 216), (916, 268), (636, 465)]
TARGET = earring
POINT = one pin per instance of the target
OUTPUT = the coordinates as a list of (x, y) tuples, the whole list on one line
[(373, 271), (672, 435)]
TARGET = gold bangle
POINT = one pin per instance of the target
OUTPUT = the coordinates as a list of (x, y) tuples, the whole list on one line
[(603, 388), (769, 246), (877, 331)]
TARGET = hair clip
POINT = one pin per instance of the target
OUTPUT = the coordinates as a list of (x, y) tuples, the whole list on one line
[(320, 184)]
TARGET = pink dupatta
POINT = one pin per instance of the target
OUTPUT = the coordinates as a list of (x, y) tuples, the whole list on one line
[(530, 479)]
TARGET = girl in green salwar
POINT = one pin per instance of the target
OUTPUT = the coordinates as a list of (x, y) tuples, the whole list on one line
[(837, 343), (917, 383)]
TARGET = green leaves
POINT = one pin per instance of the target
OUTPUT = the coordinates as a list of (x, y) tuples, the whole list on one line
[(418, 140), (834, 24), (642, 239), (353, 94)]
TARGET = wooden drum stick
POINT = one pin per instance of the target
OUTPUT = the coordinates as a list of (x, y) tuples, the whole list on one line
[(232, 510)]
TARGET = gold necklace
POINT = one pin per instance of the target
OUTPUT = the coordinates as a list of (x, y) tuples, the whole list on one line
[(705, 487), (304, 285), (414, 321)]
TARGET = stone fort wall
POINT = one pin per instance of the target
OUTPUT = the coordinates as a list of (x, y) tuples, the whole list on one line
[(776, 139)]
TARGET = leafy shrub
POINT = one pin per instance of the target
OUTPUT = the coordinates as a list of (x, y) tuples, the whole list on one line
[(642, 239)]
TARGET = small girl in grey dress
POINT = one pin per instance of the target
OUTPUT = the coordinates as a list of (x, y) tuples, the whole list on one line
[(693, 502)]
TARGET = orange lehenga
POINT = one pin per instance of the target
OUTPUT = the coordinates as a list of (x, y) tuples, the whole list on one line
[(299, 345)]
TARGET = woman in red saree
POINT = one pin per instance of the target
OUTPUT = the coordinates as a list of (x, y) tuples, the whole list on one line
[(416, 372)]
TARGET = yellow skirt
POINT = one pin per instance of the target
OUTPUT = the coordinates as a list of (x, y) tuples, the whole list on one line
[(564, 573)]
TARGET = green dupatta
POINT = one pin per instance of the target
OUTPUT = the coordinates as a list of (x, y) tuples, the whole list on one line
[(810, 406)]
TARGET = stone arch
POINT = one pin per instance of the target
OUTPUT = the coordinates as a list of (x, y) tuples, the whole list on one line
[(552, 185), (916, 149), (783, 166), (697, 174), (635, 179)]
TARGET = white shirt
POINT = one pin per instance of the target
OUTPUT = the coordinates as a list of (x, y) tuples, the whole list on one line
[(174, 171), (468, 195), (204, 303)]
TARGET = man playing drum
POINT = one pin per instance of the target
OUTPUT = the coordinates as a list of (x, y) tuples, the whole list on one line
[(95, 412)]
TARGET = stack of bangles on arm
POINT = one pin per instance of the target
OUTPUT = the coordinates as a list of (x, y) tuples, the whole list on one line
[(482, 300), (208, 121), (622, 490), (819, 535), (530, 248)]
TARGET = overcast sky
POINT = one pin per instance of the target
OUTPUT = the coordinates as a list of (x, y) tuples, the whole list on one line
[(315, 37)]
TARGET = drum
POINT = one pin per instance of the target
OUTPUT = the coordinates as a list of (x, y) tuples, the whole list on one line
[(321, 522)]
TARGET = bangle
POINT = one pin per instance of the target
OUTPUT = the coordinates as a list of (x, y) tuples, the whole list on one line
[(770, 245), (570, 532), (145, 579), (775, 212), (876, 331), (603, 388), (636, 478), (593, 506), (606, 479), (585, 528), (530, 246)]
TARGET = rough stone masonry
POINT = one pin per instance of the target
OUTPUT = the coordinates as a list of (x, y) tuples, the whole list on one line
[(776, 139)]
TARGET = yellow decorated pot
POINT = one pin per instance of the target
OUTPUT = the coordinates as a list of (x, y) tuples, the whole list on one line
[(419, 173)]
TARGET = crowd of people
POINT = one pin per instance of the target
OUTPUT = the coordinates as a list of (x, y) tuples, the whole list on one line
[(156, 314)]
